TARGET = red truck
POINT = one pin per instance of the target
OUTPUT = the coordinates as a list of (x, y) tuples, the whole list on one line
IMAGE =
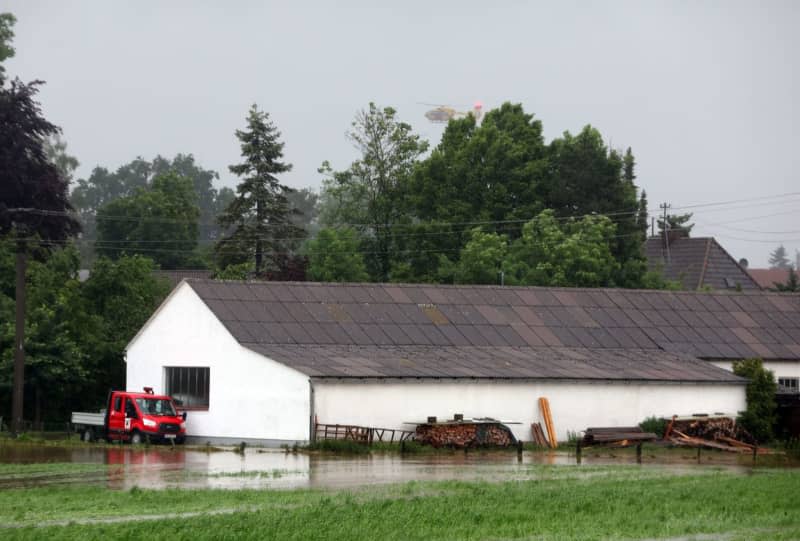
[(133, 417)]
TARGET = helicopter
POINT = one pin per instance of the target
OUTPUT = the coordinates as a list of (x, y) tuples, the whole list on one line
[(441, 114)]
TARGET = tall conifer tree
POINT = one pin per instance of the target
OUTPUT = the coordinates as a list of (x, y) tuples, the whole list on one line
[(259, 220)]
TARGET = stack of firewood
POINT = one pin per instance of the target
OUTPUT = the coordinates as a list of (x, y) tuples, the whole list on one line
[(464, 434), (713, 432)]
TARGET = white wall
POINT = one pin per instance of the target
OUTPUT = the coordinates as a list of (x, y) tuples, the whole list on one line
[(574, 406), (781, 369), (250, 396)]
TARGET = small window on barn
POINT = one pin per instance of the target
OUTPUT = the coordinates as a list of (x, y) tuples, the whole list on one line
[(188, 386), (790, 384)]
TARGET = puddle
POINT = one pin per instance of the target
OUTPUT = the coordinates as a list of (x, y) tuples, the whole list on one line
[(162, 467)]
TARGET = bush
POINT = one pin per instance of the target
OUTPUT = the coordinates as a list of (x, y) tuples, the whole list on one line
[(656, 425), (760, 415)]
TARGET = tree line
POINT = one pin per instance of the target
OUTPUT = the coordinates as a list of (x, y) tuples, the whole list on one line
[(493, 202)]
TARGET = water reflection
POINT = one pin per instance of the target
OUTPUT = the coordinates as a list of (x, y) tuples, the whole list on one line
[(123, 467)]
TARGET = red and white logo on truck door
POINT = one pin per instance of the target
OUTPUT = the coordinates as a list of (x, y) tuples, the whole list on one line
[(127, 424)]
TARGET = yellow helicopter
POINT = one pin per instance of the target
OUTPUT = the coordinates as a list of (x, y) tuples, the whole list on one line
[(441, 114)]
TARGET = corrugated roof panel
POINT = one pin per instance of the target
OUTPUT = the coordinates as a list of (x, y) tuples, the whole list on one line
[(566, 337), (453, 336), (303, 292), (277, 333), (376, 335), (528, 316), (605, 338), (220, 309), (565, 297), (398, 294), (491, 314), (492, 336), (547, 336), (745, 335), (414, 314), (297, 333), (601, 298), (415, 333), (528, 297), (655, 318), (356, 334), (336, 333), (240, 311), (619, 317), (298, 312), (358, 293), (585, 338), (317, 333)]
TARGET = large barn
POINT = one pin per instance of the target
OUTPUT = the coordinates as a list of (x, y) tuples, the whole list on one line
[(259, 361)]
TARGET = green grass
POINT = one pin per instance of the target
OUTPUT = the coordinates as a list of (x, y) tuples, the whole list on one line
[(563, 503)]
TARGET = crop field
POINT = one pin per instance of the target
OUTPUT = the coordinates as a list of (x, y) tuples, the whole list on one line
[(553, 503)]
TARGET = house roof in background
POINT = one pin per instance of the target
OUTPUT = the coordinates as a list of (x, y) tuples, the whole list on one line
[(697, 262), (442, 327), (767, 278), (175, 276)]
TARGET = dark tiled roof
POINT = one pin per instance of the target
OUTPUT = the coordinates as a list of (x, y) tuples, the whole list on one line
[(392, 330), (696, 263), (505, 362)]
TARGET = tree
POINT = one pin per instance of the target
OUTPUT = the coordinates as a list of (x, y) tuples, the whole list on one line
[(588, 178), (159, 222), (118, 298), (334, 256), (370, 192), (33, 201), (56, 150), (480, 261), (502, 174), (778, 259), (260, 217), (7, 21), (572, 252), (676, 222), (791, 285), (55, 363), (760, 416), (306, 202)]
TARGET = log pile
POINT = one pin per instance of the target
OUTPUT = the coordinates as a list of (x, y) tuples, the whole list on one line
[(711, 432), (463, 434)]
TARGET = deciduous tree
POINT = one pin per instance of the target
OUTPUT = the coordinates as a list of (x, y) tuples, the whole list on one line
[(33, 200), (370, 193), (159, 222), (334, 256)]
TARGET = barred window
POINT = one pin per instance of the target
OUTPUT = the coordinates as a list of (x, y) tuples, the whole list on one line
[(188, 385)]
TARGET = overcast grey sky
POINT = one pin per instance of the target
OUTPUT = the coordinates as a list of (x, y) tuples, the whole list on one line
[(704, 92)]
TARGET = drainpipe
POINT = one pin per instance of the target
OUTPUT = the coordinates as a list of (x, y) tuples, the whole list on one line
[(312, 428)]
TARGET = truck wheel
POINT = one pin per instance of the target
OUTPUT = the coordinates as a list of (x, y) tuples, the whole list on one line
[(136, 438), (88, 435)]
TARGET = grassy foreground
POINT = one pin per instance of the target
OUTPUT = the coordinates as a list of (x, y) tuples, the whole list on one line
[(578, 503)]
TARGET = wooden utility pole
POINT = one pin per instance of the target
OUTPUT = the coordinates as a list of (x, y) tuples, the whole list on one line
[(19, 338), (665, 228)]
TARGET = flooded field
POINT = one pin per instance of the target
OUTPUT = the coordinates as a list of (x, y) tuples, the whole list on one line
[(123, 467)]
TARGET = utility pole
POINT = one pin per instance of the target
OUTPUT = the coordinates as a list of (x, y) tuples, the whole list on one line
[(18, 390), (665, 227)]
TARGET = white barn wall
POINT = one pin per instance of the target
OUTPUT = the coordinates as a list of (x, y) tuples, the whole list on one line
[(574, 406), (781, 369), (250, 397)]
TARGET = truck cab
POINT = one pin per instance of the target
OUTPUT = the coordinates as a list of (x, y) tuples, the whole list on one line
[(140, 417)]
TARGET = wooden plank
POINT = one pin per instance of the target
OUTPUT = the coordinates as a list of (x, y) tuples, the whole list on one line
[(544, 405)]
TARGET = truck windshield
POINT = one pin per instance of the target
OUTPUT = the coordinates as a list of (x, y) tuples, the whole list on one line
[(155, 406)]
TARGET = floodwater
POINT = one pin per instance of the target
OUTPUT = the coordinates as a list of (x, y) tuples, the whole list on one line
[(123, 467)]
